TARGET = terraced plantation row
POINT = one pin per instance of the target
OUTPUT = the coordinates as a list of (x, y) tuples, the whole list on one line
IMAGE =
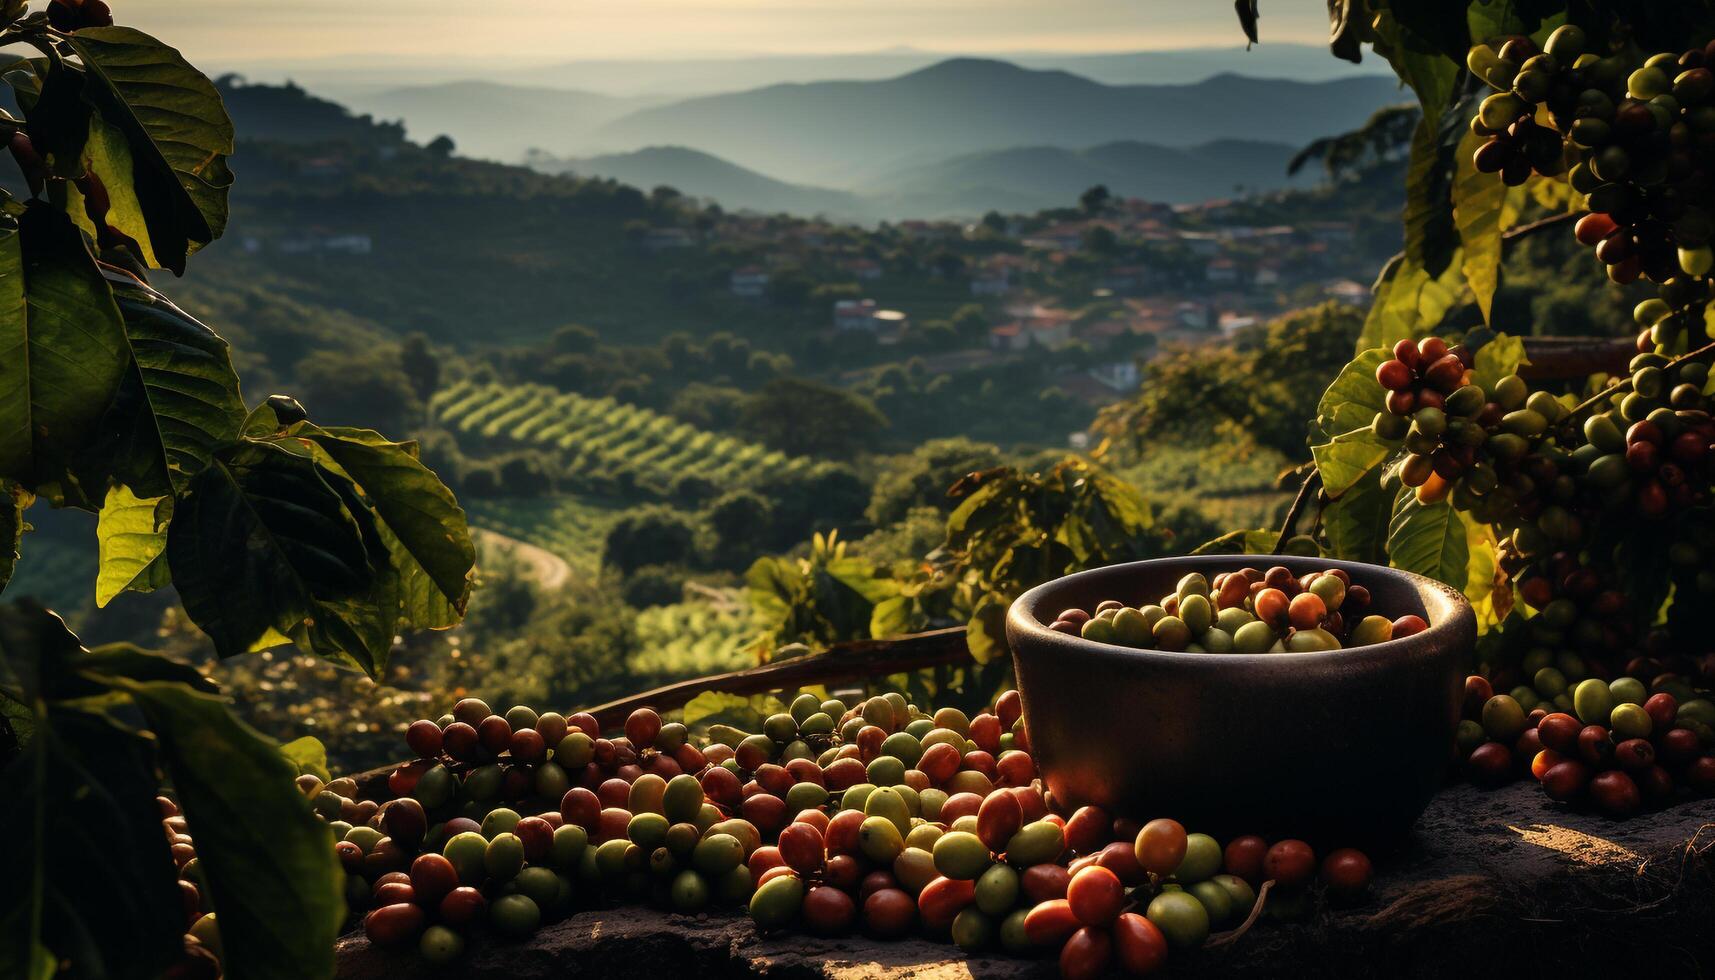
[(605, 435), (693, 638)]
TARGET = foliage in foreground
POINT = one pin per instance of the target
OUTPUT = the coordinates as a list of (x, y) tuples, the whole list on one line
[(270, 529)]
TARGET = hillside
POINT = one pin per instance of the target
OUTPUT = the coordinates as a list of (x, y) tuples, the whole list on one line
[(1038, 177), (487, 119), (703, 175), (844, 133)]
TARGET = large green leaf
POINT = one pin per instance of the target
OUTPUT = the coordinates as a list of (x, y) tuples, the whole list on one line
[(89, 879), (268, 862), (425, 529), (1354, 397), (262, 544), (1431, 239), (1356, 522), (985, 634), (178, 133), (1500, 355), (178, 402), (131, 539), (1483, 208), (1346, 448), (1409, 302), (1429, 539), (62, 346), (1347, 458)]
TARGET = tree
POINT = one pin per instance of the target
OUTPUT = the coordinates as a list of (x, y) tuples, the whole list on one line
[(921, 478), (441, 146), (420, 364), (807, 418), (650, 536), (1101, 240), (1094, 200), (347, 388)]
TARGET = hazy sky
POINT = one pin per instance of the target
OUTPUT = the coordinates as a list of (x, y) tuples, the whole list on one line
[(237, 31)]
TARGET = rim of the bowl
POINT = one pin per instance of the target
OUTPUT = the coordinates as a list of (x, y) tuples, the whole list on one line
[(1459, 612)]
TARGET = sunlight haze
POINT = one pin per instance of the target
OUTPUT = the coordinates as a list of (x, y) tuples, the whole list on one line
[(236, 31)]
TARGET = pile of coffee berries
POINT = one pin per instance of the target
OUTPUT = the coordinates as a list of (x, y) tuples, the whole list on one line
[(875, 817), (1614, 746), (1247, 611)]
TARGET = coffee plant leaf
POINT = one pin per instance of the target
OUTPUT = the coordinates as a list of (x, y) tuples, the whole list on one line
[(268, 862), (178, 132), (1429, 539), (63, 352), (264, 541), (131, 540)]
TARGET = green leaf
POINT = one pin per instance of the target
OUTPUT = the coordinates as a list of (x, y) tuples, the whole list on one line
[(262, 541), (268, 861), (985, 634), (178, 131), (1429, 539), (1256, 541), (131, 537), (88, 874), (425, 528), (1479, 203), (62, 346), (178, 402), (1427, 50), (1348, 458), (1409, 303), (309, 755), (1356, 522), (718, 706), (1430, 235), (1354, 397), (1502, 355), (895, 616)]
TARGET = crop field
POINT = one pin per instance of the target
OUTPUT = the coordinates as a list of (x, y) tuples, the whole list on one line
[(601, 434), (693, 638)]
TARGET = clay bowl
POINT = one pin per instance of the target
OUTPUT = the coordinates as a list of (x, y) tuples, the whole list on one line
[(1342, 747)]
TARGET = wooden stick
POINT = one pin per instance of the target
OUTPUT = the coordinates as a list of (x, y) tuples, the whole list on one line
[(857, 660), (1568, 358), (1286, 527)]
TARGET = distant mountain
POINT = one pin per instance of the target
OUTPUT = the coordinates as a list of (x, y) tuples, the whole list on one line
[(1022, 179), (496, 121), (1032, 178), (843, 133), (346, 77), (701, 175)]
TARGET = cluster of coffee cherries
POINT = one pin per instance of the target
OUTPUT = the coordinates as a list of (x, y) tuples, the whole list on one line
[(1618, 746), (74, 15), (1642, 138), (1456, 433), (1245, 611), (872, 817)]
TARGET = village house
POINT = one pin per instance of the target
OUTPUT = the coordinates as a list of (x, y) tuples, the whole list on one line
[(854, 314), (750, 281), (1063, 237), (1221, 271), (864, 270), (1348, 292), (660, 239)]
